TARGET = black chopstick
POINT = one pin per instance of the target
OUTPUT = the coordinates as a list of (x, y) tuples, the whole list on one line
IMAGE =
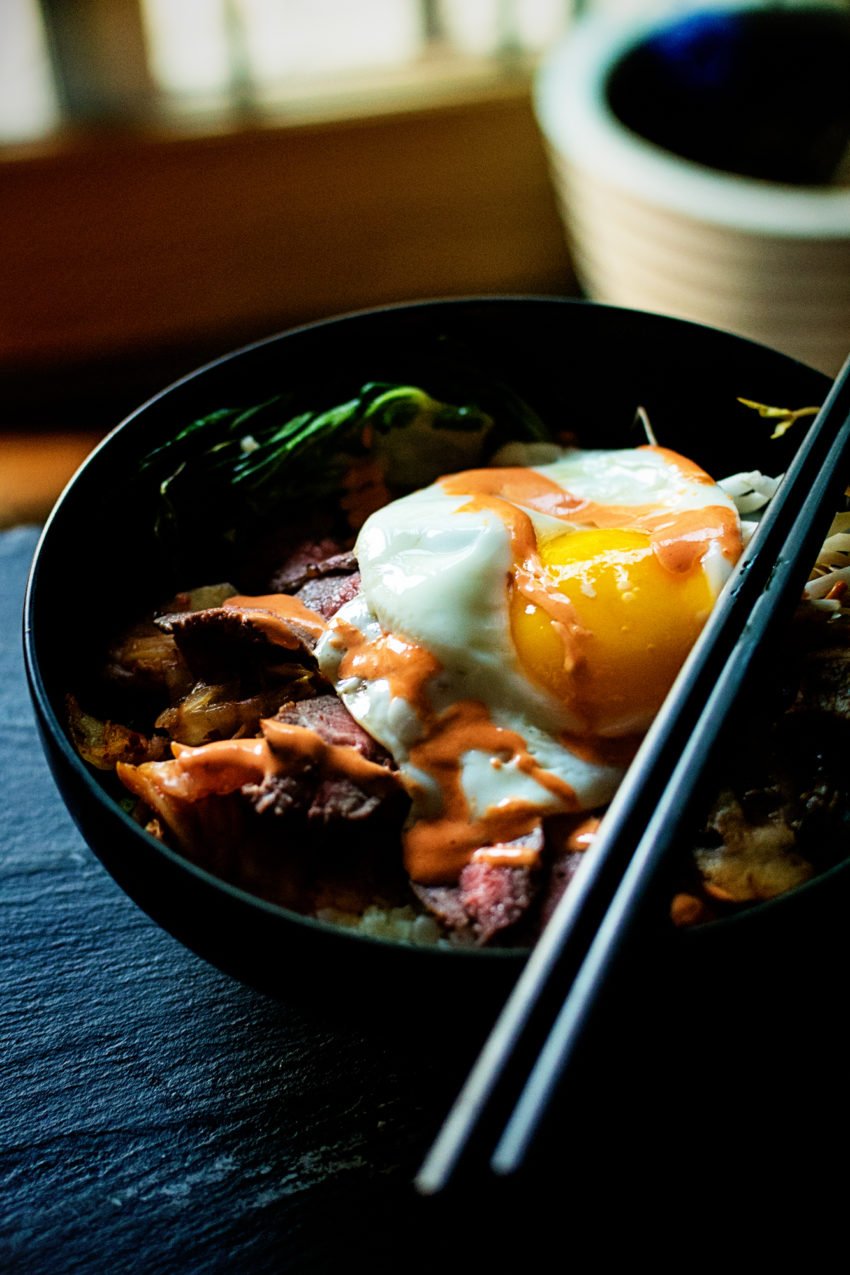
[(508, 1091)]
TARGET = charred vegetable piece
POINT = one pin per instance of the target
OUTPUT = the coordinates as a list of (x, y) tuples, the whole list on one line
[(754, 861), (103, 744)]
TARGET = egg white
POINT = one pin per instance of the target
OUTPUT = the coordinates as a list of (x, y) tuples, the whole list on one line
[(435, 573), (444, 590)]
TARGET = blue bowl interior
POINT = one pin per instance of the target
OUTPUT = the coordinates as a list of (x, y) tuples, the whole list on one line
[(711, 85)]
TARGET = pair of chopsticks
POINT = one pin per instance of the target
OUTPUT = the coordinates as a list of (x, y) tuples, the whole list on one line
[(509, 1091)]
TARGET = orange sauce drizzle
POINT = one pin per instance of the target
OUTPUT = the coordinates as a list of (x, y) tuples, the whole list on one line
[(573, 833), (274, 613), (678, 540), (582, 835), (437, 849), (217, 768), (404, 665), (518, 486), (214, 769), (684, 465), (294, 745), (522, 856), (225, 765), (528, 576)]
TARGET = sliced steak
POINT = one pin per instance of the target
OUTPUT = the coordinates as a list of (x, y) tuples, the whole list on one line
[(328, 716), (326, 594), (339, 800), (333, 799), (310, 560), (561, 872), (487, 901), (445, 902), (496, 898), (323, 791), (220, 642)]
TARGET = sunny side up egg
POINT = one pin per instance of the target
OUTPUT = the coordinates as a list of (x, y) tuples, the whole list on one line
[(515, 633)]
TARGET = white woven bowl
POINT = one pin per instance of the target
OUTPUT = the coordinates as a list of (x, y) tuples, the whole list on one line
[(650, 230)]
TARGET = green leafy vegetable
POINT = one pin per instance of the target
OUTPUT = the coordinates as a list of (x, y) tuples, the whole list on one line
[(245, 467)]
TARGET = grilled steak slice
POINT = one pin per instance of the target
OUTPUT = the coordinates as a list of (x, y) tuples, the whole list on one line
[(322, 785), (487, 901), (328, 716), (561, 872), (219, 643), (311, 560), (327, 593)]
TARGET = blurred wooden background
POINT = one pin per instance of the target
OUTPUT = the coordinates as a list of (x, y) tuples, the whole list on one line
[(140, 242)]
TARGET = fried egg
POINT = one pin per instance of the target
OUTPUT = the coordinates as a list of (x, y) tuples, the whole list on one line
[(516, 631)]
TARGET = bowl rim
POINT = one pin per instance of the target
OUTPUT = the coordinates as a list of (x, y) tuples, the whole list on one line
[(574, 115), (52, 726)]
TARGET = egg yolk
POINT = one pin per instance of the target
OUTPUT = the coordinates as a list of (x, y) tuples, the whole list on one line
[(634, 623)]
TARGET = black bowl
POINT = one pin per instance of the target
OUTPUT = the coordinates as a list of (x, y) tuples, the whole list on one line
[(580, 365)]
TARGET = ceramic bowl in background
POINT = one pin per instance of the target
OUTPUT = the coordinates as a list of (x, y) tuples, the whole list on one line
[(659, 224)]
